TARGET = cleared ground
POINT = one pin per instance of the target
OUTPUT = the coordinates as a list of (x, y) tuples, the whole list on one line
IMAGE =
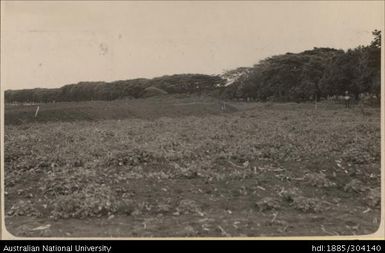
[(183, 167)]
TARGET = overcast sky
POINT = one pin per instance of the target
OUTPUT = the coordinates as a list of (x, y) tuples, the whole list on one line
[(49, 44)]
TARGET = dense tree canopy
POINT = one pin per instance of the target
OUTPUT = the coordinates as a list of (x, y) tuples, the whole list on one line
[(286, 77), (309, 75), (135, 88)]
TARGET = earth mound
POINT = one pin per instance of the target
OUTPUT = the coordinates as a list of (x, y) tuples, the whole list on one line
[(153, 91)]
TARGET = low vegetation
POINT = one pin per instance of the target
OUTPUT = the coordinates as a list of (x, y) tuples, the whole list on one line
[(260, 169)]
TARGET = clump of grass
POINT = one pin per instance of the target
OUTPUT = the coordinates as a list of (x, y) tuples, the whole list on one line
[(23, 207), (313, 205), (188, 206), (125, 206), (267, 204), (358, 156), (93, 200), (373, 198), (355, 185), (132, 158), (65, 181), (294, 197), (318, 180), (290, 194)]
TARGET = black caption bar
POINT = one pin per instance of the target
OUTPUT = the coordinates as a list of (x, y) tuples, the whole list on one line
[(108, 246)]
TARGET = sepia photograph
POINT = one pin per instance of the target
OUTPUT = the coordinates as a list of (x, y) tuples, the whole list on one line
[(191, 119)]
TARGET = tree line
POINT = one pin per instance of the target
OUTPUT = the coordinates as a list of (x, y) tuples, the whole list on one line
[(134, 88), (312, 74)]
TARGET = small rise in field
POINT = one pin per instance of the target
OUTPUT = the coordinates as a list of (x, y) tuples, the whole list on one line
[(150, 108)]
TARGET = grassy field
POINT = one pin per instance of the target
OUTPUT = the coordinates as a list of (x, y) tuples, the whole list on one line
[(184, 167), (150, 108)]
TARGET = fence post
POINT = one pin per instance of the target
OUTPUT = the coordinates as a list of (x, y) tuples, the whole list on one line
[(37, 111)]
